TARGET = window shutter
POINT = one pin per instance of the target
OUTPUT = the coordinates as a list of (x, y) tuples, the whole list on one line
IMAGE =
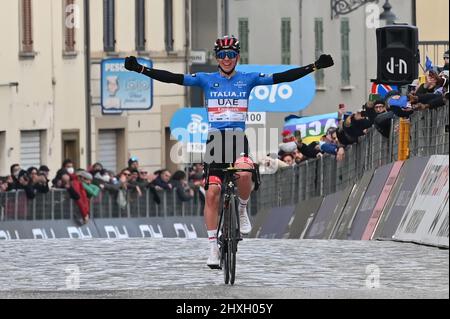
[(69, 40), (140, 25), (27, 26), (109, 36)]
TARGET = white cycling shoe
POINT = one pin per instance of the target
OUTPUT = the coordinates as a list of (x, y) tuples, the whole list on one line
[(214, 258), (244, 221)]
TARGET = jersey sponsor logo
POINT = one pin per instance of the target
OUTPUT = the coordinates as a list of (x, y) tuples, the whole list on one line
[(229, 94), (240, 84)]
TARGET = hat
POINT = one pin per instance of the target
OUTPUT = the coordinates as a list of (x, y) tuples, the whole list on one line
[(289, 142), (85, 174), (132, 160), (288, 136)]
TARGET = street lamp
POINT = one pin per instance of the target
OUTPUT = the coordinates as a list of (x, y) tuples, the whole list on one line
[(387, 14)]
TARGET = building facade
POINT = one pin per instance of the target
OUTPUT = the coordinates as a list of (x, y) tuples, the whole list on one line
[(43, 81), (42, 92), (152, 29)]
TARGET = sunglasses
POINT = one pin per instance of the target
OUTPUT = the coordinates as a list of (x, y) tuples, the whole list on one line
[(229, 54)]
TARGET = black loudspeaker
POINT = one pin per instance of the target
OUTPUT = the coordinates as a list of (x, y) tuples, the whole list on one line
[(398, 54)]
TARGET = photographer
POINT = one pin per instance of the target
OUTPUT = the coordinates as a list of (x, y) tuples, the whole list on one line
[(22, 182), (39, 180), (383, 118)]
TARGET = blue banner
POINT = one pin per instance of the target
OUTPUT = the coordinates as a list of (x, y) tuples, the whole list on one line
[(190, 125), (284, 97), (122, 90), (314, 127)]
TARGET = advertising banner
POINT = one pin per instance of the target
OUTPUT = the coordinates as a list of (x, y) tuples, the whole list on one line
[(400, 196), (426, 216), (122, 90), (284, 97)]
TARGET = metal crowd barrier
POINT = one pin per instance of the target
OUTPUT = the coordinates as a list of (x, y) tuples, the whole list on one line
[(318, 177)]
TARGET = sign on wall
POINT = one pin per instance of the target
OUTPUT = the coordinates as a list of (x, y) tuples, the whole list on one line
[(123, 90)]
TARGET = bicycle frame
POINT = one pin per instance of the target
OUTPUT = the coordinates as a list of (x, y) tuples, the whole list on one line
[(228, 228)]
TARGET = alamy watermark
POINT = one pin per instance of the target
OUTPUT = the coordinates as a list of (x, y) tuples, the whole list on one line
[(72, 277), (373, 276), (72, 16), (372, 16)]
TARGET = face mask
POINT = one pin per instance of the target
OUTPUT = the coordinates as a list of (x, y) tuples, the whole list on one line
[(70, 170)]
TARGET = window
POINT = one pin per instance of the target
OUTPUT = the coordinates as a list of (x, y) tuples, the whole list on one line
[(109, 34), (243, 39), (168, 12), (140, 25), (71, 15), (30, 149), (318, 32), (108, 149), (286, 41), (345, 51), (26, 27)]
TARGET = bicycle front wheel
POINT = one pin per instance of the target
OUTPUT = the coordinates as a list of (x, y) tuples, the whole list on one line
[(233, 239)]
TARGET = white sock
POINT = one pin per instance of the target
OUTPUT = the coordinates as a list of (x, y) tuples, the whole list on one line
[(243, 203), (212, 236)]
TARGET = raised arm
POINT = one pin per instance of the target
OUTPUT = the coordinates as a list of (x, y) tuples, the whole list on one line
[(324, 61), (132, 64)]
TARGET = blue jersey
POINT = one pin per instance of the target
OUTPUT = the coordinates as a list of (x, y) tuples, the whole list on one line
[(227, 99)]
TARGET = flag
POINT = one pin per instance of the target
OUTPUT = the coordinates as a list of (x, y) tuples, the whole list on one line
[(383, 89), (428, 65)]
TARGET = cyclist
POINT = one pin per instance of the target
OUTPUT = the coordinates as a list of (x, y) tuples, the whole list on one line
[(226, 95)]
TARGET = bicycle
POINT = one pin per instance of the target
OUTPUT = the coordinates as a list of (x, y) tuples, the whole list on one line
[(228, 230)]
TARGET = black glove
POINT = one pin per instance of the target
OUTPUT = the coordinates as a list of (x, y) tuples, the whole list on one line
[(325, 61), (131, 64)]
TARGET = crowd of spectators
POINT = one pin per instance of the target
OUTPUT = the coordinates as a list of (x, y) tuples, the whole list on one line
[(83, 184), (378, 112)]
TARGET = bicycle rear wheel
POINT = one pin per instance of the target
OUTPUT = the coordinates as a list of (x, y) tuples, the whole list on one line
[(224, 258)]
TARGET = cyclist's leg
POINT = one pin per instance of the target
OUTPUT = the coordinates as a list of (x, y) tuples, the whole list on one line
[(212, 202), (245, 186)]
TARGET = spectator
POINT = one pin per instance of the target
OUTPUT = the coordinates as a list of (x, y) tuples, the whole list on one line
[(162, 180), (39, 180), (21, 181), (133, 163), (44, 170), (66, 168), (86, 179), (83, 199), (96, 168), (179, 183), (288, 158), (289, 143), (311, 150), (356, 125), (446, 61), (196, 175), (298, 156), (384, 118)]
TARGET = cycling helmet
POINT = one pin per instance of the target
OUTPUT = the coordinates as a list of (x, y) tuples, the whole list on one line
[(227, 43)]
